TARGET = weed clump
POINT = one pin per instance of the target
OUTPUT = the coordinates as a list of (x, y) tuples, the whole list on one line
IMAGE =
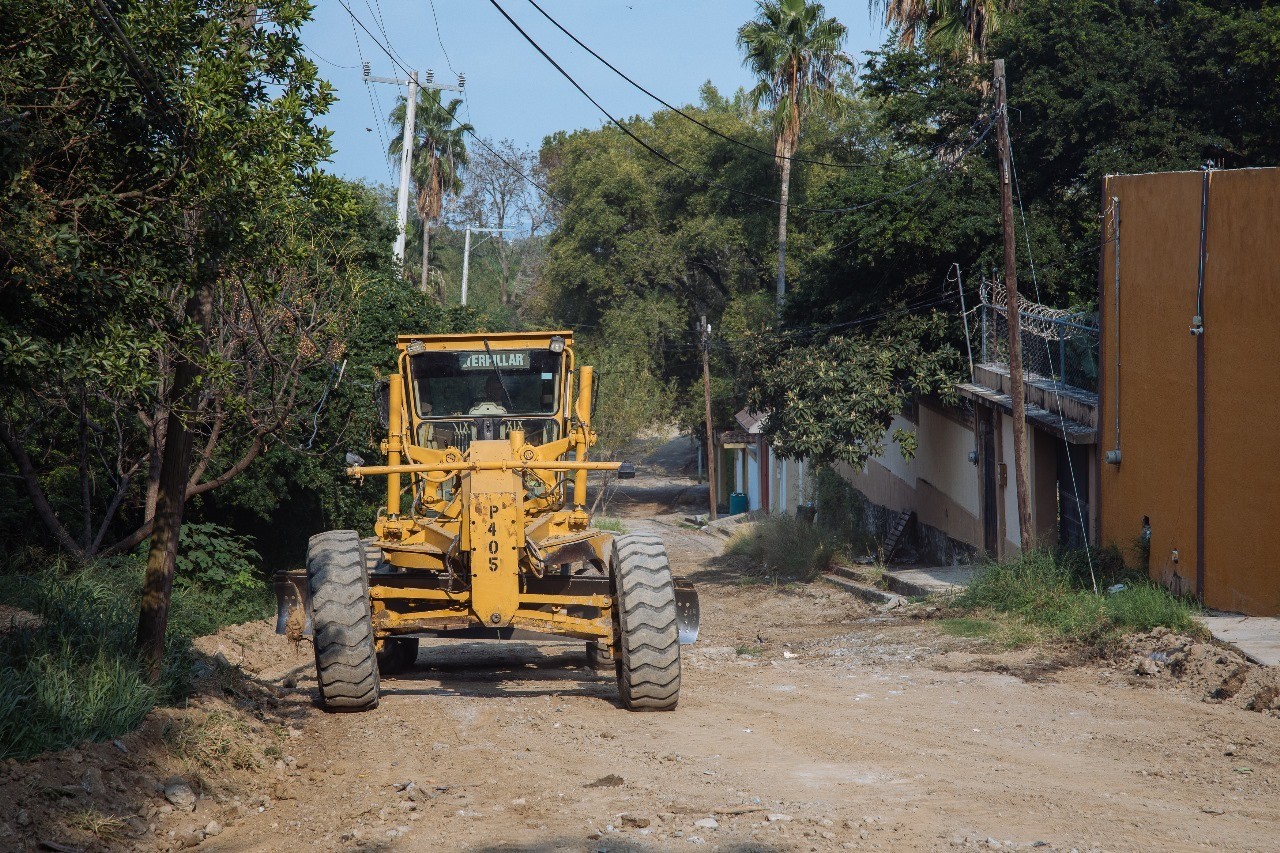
[(784, 547), (1048, 593), (69, 671)]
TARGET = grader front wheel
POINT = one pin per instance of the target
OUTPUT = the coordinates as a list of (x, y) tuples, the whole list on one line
[(346, 663), (648, 666)]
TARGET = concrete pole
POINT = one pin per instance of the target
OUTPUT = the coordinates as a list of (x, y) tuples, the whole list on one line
[(406, 167), (466, 263)]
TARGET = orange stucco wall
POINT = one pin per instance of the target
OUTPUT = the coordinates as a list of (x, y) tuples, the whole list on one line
[(1154, 384)]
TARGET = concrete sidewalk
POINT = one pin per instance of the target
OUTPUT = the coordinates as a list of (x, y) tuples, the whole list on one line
[(938, 580), (1257, 637)]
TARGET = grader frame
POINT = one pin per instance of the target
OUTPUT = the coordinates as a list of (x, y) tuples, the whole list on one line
[(480, 537)]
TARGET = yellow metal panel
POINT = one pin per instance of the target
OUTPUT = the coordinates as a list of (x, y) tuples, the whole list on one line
[(495, 525)]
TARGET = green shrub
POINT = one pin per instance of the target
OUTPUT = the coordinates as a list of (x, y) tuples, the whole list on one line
[(841, 512), (213, 557), (71, 673), (1049, 591), (785, 547)]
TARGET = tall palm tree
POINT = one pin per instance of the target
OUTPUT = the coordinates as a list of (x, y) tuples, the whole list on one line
[(796, 52), (439, 159), (959, 26)]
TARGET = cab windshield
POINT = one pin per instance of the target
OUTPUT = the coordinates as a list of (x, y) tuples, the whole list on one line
[(514, 382)]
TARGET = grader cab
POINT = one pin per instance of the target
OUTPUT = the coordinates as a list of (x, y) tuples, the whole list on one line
[(486, 533)]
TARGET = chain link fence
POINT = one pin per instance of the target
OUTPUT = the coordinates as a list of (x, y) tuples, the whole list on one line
[(1057, 345)]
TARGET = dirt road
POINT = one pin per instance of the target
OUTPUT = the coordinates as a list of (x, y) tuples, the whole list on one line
[(807, 721)]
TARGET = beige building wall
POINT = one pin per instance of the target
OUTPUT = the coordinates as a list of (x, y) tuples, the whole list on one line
[(939, 483)]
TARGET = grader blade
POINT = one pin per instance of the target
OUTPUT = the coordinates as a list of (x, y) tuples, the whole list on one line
[(688, 611)]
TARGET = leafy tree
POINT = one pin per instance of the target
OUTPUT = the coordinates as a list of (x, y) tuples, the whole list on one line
[(168, 153), (833, 399), (439, 159), (499, 195), (795, 51)]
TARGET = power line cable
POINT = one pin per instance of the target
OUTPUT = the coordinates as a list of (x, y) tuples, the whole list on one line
[(356, 20), (317, 55), (668, 160), (702, 124), (1062, 420), (440, 41), (377, 19), (375, 103)]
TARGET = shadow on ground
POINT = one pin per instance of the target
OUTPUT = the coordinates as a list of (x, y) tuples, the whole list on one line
[(506, 669)]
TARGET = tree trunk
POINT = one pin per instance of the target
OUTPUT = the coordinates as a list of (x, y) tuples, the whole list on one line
[(782, 227), (426, 246), (175, 466)]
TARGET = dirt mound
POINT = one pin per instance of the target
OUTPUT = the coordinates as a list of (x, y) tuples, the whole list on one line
[(1215, 673), (185, 774), (257, 649)]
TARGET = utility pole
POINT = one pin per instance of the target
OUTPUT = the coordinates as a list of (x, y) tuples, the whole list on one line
[(1012, 306), (705, 328), (406, 144), (466, 253)]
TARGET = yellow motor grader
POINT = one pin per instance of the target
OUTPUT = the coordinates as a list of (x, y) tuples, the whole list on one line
[(486, 532)]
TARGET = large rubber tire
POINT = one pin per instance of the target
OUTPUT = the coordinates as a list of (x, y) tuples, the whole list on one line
[(648, 667), (346, 664)]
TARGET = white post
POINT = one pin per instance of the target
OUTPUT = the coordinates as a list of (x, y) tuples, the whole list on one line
[(406, 166), (466, 263)]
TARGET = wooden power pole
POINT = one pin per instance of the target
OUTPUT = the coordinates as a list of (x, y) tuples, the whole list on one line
[(706, 392), (1021, 464)]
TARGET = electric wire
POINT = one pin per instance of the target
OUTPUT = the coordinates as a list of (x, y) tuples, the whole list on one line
[(440, 40), (1062, 420), (382, 27), (317, 55), (668, 160), (678, 111), (375, 103)]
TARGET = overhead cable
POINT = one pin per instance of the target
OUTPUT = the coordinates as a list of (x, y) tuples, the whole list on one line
[(669, 161)]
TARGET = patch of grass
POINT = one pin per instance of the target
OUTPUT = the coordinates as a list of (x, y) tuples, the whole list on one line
[(784, 547), (1002, 630), (72, 674), (614, 525), (968, 626), (745, 651), (1048, 594)]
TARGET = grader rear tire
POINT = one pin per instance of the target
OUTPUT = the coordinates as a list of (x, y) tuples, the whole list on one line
[(648, 667), (346, 663)]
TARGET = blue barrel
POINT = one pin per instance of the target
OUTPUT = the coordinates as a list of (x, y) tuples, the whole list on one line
[(738, 503)]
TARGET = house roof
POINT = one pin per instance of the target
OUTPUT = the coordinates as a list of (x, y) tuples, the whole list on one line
[(750, 421)]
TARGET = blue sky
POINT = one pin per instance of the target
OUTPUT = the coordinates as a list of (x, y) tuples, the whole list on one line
[(669, 46)]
